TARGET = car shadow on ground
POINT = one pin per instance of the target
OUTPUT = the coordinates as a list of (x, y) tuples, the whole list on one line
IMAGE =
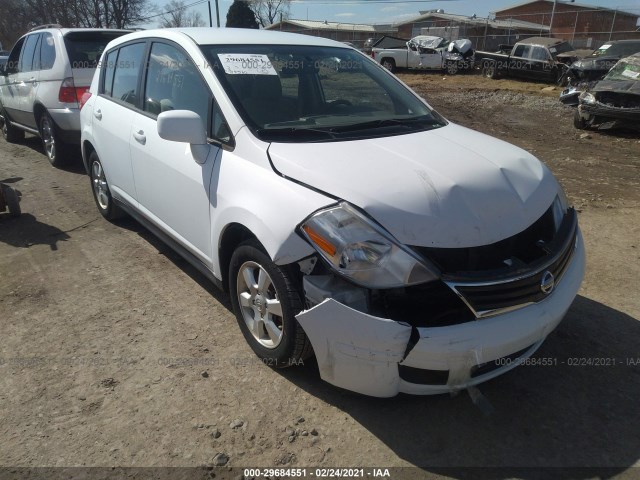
[(132, 225), (74, 161), (26, 231), (579, 411)]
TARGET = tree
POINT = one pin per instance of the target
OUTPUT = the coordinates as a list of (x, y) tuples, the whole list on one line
[(176, 15), (241, 16), (18, 16), (268, 12)]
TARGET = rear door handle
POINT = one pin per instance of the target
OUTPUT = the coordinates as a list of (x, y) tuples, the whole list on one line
[(140, 136), (97, 114)]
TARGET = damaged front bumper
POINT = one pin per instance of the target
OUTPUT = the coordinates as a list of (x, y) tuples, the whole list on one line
[(631, 115), (382, 357)]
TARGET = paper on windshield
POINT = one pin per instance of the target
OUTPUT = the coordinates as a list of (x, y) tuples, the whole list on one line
[(631, 74), (246, 64)]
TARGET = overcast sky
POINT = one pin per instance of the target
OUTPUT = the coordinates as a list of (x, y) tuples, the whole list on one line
[(386, 11)]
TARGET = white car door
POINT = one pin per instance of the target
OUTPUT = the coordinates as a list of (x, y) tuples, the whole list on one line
[(172, 185), (430, 58), (113, 114)]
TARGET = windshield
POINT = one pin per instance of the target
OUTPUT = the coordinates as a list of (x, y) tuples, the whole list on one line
[(299, 93), (617, 49), (624, 71), (563, 47)]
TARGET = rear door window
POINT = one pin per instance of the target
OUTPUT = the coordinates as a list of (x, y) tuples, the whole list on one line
[(28, 51), (85, 48), (522, 51), (127, 68)]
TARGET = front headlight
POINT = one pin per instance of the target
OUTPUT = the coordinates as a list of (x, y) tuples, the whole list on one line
[(588, 98), (559, 207), (362, 251)]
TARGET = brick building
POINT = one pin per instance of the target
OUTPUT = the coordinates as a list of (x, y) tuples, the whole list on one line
[(485, 33), (585, 26), (342, 32)]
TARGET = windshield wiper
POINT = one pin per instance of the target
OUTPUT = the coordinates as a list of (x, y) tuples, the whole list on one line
[(293, 132), (411, 123)]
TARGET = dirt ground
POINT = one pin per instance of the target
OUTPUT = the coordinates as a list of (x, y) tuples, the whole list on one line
[(115, 352)]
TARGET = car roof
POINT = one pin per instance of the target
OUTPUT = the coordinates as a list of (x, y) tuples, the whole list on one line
[(230, 36), (544, 41), (621, 41), (66, 31)]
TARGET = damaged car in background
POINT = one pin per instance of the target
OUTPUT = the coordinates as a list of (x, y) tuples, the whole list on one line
[(345, 217), (583, 74), (426, 52), (614, 101)]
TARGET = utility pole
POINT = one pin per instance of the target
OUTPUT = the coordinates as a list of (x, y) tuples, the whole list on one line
[(553, 11), (217, 14), (210, 19)]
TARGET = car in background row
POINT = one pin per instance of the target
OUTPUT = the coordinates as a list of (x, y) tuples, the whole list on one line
[(536, 58), (596, 65), (614, 101), (345, 217), (46, 73), (426, 52), (583, 74)]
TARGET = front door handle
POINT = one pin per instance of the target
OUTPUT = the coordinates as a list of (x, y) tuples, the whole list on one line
[(97, 114), (140, 136)]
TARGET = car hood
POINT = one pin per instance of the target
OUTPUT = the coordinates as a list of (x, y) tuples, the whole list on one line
[(621, 86), (450, 187), (599, 63)]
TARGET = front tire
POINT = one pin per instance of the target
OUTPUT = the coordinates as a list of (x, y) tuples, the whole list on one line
[(10, 133), (452, 68), (265, 302), (55, 150), (100, 189), (579, 122), (490, 70)]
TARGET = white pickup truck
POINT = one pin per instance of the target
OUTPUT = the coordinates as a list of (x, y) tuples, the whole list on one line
[(427, 53)]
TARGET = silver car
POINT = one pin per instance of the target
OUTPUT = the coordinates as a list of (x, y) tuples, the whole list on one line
[(42, 84)]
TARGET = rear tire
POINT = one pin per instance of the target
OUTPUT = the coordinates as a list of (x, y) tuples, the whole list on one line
[(10, 133), (100, 189), (389, 64), (55, 149), (265, 301)]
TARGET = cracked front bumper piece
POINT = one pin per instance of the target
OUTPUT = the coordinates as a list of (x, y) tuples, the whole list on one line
[(381, 357)]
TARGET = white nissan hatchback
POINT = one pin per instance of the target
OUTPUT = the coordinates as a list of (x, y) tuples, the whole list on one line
[(344, 216)]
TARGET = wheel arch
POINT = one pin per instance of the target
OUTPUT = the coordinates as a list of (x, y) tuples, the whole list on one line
[(87, 149), (233, 235), (38, 110)]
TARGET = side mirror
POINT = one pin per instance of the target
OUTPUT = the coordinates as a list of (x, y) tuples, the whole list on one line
[(185, 126), (182, 126)]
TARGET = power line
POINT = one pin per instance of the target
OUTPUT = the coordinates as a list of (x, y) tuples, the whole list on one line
[(199, 2)]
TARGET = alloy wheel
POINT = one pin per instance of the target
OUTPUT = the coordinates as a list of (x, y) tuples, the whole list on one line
[(259, 304)]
